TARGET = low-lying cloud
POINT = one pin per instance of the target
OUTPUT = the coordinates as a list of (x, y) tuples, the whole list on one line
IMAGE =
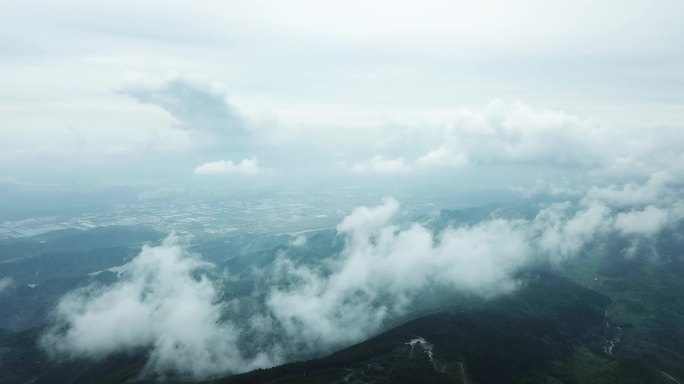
[(5, 283), (560, 235), (163, 300), (631, 193), (381, 268), (647, 221), (384, 266)]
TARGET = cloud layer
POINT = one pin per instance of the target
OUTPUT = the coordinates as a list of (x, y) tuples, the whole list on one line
[(165, 302)]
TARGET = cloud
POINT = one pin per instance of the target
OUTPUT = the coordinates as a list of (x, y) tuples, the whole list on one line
[(643, 209), (200, 108), (5, 283), (515, 132), (382, 268), (298, 241), (561, 234), (511, 133), (170, 306), (364, 219), (647, 221), (379, 164), (444, 156), (633, 193), (302, 307), (227, 167), (546, 147), (162, 301)]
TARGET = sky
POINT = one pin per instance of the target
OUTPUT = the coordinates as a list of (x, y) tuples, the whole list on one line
[(99, 93)]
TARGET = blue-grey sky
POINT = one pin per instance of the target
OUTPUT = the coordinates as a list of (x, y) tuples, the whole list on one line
[(119, 90)]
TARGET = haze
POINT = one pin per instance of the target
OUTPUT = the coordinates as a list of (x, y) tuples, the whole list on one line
[(123, 93), (298, 176)]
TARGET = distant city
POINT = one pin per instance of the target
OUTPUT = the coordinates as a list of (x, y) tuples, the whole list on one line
[(285, 212)]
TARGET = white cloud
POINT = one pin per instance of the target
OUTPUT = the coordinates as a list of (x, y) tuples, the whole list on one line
[(5, 283), (548, 147), (444, 157), (379, 164), (161, 301), (647, 221), (298, 241), (383, 266), (227, 167), (514, 133), (561, 235), (633, 193), (380, 273), (517, 133), (168, 305)]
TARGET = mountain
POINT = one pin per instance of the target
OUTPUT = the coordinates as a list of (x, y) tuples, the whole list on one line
[(550, 331), (602, 318), (531, 336), (43, 268)]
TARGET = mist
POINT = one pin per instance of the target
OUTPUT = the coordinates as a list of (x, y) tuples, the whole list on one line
[(171, 303)]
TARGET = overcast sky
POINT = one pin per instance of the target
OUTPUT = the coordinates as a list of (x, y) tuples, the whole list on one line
[(124, 90)]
